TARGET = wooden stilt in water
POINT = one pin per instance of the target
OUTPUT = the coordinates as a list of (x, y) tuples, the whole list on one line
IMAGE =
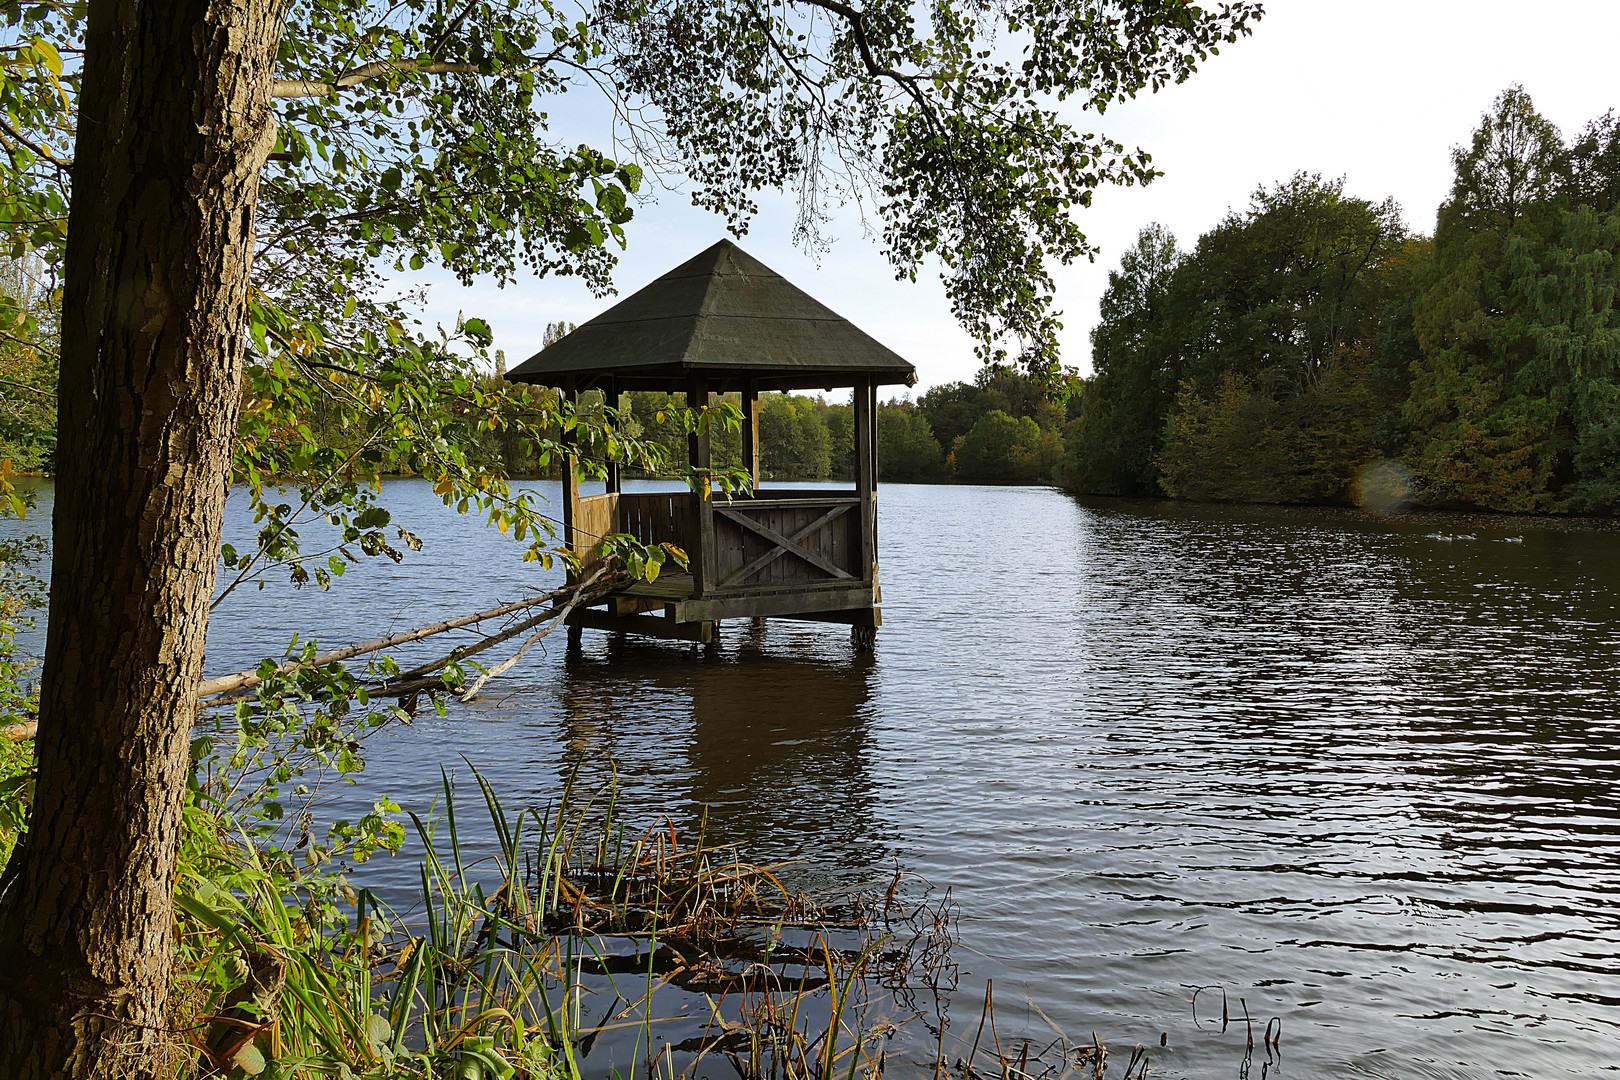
[(864, 638)]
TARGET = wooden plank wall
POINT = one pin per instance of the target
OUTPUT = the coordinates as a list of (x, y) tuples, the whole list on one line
[(660, 517), (594, 517)]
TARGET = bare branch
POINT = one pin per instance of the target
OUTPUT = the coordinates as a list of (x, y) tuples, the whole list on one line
[(243, 680), (505, 665), (46, 394), (857, 25), (39, 150), (302, 88)]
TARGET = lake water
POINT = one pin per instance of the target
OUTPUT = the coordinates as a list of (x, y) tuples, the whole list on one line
[(1362, 775)]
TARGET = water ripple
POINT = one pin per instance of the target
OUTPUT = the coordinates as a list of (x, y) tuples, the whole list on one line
[(1364, 775)]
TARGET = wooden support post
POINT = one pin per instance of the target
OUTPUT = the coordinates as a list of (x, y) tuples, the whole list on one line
[(876, 594), (610, 399), (698, 452), (866, 474), (872, 411), (750, 430), (570, 474)]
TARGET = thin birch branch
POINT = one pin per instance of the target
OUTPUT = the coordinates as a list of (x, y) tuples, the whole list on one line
[(506, 665), (244, 679)]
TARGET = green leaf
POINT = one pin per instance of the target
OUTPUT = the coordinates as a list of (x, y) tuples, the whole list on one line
[(378, 1032), (479, 331)]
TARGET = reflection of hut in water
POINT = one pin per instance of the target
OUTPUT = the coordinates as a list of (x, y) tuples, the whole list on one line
[(775, 751), (723, 322)]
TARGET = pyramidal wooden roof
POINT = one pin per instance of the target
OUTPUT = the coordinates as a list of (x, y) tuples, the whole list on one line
[(724, 315)]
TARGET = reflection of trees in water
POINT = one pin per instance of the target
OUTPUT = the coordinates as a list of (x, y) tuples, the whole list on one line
[(775, 745)]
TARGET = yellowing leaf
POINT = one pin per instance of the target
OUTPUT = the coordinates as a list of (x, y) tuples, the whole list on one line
[(47, 52)]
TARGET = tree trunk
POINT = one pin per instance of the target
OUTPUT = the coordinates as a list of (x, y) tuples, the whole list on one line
[(174, 125)]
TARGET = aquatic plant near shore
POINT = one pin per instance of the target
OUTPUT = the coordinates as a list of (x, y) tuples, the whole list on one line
[(488, 974), (494, 970)]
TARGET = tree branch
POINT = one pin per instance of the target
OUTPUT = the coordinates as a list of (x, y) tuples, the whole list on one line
[(39, 150), (243, 680), (46, 394), (857, 25), (302, 88), (505, 665)]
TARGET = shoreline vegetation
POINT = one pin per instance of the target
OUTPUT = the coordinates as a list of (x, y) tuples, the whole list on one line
[(1308, 350), (559, 933), (1312, 350)]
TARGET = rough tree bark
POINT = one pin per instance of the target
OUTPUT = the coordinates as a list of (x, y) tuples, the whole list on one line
[(174, 124)]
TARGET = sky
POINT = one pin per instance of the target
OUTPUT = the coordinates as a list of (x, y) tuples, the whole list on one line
[(1375, 91)]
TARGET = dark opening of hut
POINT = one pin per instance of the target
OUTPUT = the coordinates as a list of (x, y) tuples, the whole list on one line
[(723, 322)]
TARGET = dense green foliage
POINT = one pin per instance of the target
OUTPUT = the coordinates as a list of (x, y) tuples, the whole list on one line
[(1305, 339), (1516, 398), (1246, 368)]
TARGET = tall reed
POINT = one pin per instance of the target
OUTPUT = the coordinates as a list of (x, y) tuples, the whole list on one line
[(497, 968)]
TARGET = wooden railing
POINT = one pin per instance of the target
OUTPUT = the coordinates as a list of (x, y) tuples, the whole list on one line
[(794, 538), (660, 517), (805, 538)]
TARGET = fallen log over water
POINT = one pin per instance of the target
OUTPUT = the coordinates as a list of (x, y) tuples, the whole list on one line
[(425, 677)]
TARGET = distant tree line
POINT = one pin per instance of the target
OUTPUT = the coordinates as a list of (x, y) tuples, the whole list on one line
[(1303, 342), (1001, 428), (1299, 346)]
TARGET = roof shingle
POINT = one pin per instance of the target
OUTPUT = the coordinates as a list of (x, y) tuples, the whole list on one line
[(722, 314)]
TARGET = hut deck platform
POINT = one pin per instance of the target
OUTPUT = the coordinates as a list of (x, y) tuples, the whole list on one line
[(789, 554)]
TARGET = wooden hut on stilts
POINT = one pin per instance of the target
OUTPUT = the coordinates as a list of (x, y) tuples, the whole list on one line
[(723, 322)]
